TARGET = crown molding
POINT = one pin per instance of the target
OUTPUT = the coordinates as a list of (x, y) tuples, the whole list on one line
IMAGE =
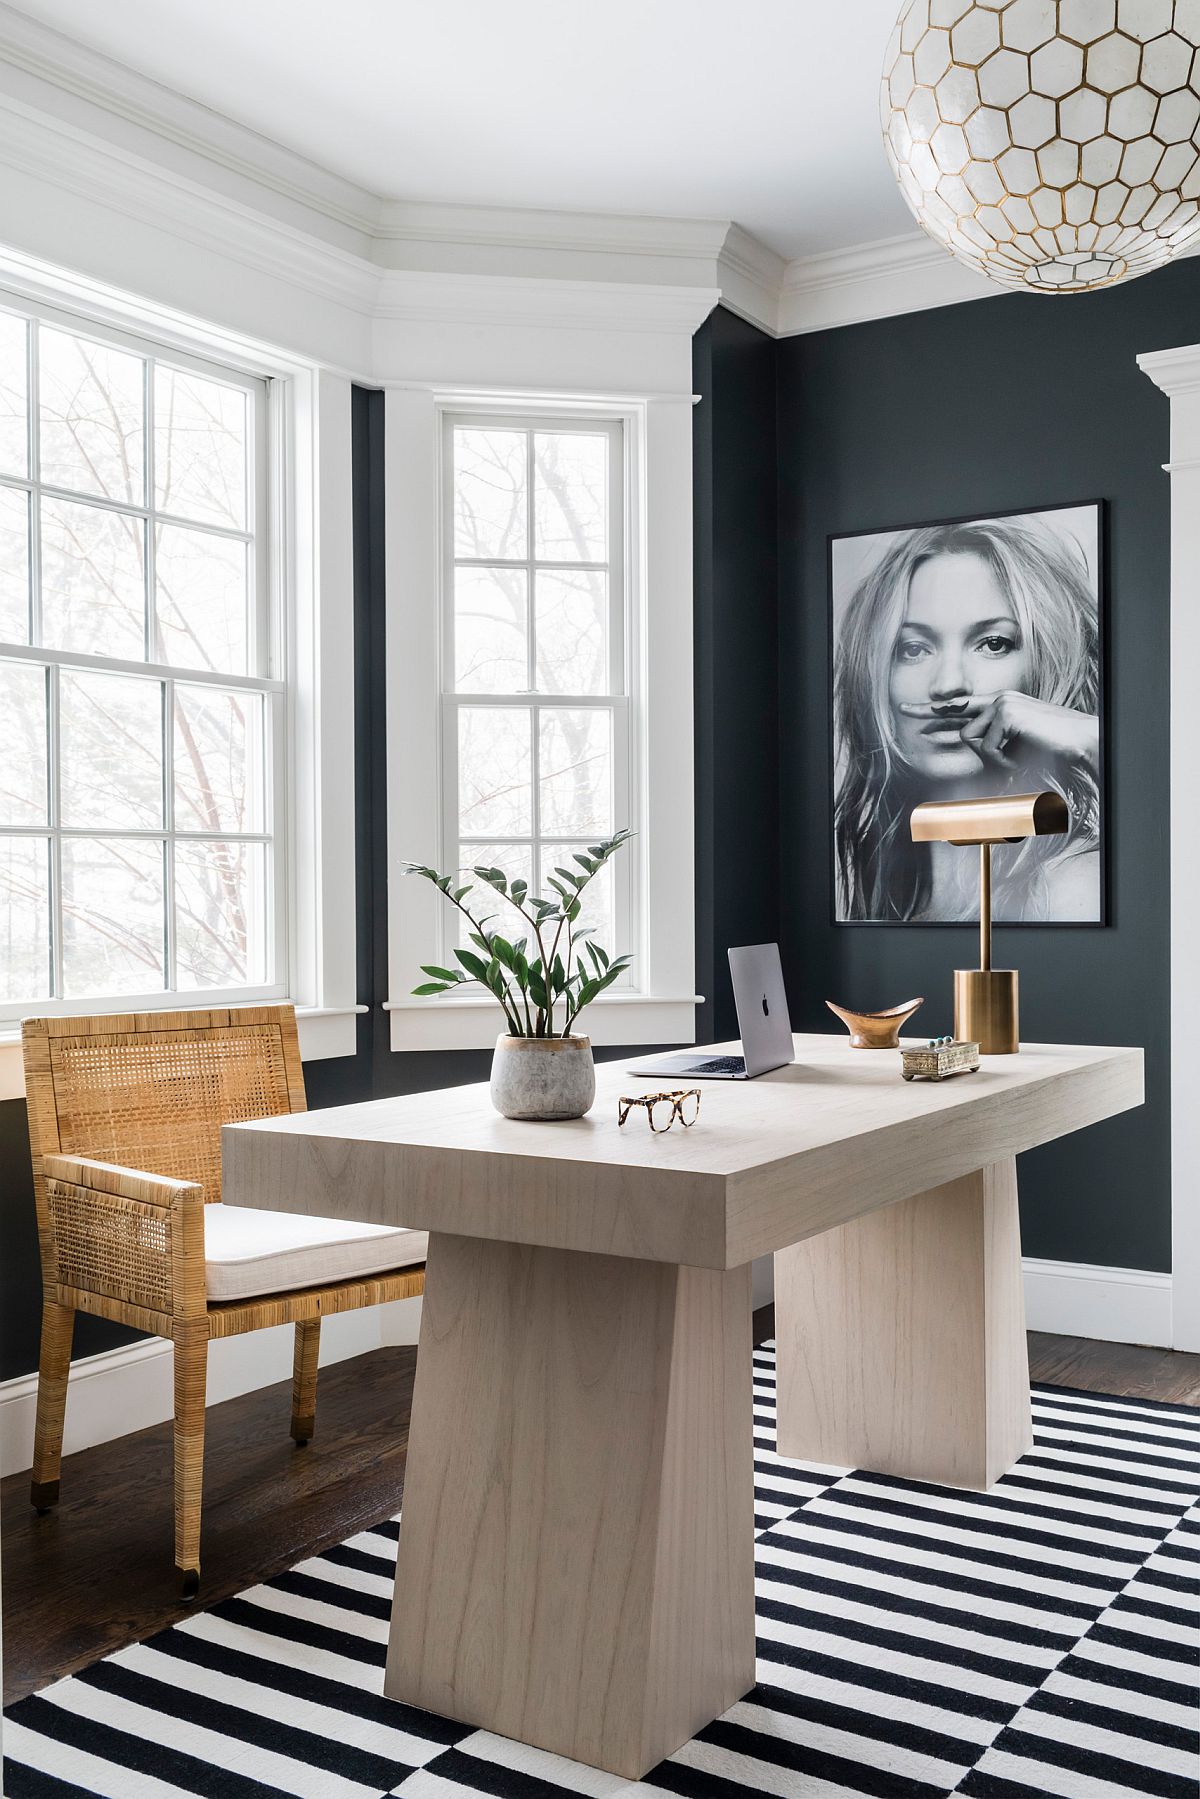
[(61, 62), (424, 297), (751, 279), (537, 228), (116, 178), (114, 137), (1174, 371), (873, 281)]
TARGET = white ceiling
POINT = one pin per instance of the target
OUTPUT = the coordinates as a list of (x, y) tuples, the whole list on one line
[(764, 112)]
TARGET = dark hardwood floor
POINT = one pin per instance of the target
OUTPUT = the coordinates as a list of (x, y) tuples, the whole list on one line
[(98, 1573)]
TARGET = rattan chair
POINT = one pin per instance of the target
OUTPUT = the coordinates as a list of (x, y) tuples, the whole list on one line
[(125, 1117)]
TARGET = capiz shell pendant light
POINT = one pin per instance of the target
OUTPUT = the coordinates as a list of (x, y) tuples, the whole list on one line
[(1054, 145)]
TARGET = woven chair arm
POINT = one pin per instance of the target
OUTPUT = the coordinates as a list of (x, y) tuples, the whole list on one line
[(120, 1183), (125, 1235)]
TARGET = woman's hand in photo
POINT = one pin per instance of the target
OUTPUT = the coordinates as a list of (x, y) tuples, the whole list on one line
[(1008, 730), (1012, 729)]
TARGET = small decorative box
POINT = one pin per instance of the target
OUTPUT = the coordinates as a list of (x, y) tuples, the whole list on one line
[(936, 1060)]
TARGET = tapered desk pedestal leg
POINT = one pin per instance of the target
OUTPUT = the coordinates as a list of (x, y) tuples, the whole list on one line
[(901, 1337), (576, 1561)]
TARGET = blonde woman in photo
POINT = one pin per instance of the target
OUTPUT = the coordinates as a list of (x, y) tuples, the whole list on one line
[(967, 663)]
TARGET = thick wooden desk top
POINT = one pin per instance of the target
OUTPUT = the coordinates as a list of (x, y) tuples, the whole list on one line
[(770, 1161)]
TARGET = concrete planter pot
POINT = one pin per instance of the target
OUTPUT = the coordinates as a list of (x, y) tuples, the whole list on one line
[(543, 1077)]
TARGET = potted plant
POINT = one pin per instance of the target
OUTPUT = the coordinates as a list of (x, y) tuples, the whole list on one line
[(542, 979)]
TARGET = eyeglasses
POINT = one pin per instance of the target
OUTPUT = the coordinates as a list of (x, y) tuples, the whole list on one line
[(662, 1109)]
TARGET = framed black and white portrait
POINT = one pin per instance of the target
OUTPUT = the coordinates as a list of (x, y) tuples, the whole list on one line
[(967, 661)]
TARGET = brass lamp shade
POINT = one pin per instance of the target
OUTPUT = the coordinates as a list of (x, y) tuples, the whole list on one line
[(985, 998), (1005, 819)]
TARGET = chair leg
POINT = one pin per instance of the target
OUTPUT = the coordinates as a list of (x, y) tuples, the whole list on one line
[(304, 1380), (58, 1330), (191, 1373)]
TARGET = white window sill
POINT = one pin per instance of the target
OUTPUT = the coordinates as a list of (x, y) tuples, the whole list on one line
[(615, 1018), (324, 1031)]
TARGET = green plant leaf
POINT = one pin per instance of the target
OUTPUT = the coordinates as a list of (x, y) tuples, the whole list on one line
[(573, 910), (431, 987), (503, 952), (441, 974), (585, 862), (472, 964)]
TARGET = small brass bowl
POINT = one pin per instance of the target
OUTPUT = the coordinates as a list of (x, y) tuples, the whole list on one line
[(876, 1030)]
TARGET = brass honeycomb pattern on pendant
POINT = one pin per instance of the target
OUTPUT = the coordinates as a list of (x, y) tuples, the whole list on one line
[(1053, 145)]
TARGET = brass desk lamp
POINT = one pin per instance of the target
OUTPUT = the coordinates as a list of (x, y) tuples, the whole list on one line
[(985, 998)]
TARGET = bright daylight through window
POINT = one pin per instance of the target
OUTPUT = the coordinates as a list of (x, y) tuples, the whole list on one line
[(536, 752), (137, 716)]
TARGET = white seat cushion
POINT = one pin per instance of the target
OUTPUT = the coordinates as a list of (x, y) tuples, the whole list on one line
[(248, 1252)]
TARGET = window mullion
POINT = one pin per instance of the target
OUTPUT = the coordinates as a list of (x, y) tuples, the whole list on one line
[(530, 647), (168, 802), (53, 716), (34, 516), (535, 810), (150, 543)]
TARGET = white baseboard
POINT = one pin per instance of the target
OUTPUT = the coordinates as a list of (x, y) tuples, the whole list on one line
[(126, 1389), (123, 1390), (1114, 1305), (1073, 1299)]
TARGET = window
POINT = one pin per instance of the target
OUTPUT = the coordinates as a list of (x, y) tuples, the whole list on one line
[(141, 719), (535, 708)]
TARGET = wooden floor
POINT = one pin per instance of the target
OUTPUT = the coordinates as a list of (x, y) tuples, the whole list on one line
[(98, 1573)]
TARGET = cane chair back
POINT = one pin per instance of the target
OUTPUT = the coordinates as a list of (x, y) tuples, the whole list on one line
[(152, 1090)]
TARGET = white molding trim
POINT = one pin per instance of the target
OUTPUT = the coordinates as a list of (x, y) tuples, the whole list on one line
[(537, 228), (440, 298), (127, 1389), (751, 279), (1075, 1299), (1112, 1305), (324, 1032), (71, 115), (658, 540), (89, 75), (613, 1019), (1177, 373), (873, 281)]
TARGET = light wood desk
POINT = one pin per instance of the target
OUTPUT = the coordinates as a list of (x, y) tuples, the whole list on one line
[(576, 1553)]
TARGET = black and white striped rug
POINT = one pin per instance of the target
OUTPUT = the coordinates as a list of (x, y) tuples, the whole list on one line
[(913, 1641)]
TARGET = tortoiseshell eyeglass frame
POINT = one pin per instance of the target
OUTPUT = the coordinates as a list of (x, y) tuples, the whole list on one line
[(676, 1096)]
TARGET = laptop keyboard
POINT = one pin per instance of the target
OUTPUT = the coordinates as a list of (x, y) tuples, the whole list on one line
[(722, 1065)]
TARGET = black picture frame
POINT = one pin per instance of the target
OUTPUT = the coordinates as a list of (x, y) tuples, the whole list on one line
[(1034, 509)]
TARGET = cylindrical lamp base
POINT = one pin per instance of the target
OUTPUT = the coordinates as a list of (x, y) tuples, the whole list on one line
[(985, 1009)]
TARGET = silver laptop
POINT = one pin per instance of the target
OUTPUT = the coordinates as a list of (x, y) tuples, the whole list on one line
[(762, 1010)]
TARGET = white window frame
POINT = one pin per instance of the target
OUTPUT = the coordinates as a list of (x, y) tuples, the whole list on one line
[(658, 1006), (269, 650), (620, 697), (309, 546)]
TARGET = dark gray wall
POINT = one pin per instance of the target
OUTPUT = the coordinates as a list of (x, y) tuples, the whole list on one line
[(1005, 403), (736, 636)]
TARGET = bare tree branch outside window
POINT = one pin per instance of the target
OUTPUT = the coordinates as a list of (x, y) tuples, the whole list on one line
[(135, 852), (533, 587)]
